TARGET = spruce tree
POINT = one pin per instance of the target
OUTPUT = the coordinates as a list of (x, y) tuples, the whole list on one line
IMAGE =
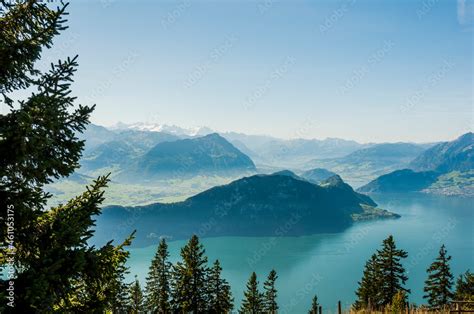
[(253, 299), (367, 295), (189, 279), (270, 293), (158, 281), (220, 296), (438, 286), (136, 297), (46, 250), (390, 271), (314, 306), (465, 287)]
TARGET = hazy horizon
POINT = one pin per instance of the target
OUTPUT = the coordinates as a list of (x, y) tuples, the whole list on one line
[(121, 125)]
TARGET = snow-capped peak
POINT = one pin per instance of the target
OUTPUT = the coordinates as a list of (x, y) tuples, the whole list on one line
[(165, 128)]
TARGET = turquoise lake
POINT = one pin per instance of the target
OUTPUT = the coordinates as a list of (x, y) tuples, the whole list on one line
[(330, 265)]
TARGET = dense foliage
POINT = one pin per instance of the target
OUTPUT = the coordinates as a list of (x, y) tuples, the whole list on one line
[(438, 285), (384, 277), (44, 250)]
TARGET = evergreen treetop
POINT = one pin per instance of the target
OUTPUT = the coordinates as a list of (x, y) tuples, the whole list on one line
[(158, 281), (253, 299), (314, 306), (270, 293), (190, 279), (220, 296), (391, 274), (54, 268), (438, 285)]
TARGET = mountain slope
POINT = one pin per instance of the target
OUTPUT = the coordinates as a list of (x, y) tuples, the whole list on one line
[(317, 175), (446, 168), (210, 154), (260, 205), (366, 164), (121, 148), (457, 155), (405, 180)]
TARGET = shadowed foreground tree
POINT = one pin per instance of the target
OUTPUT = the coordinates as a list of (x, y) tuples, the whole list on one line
[(314, 306), (391, 274), (220, 296), (384, 277), (368, 286), (158, 281), (136, 297), (253, 299), (50, 265), (438, 286), (270, 294), (190, 279), (465, 287)]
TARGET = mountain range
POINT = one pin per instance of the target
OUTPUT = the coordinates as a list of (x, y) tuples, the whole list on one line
[(446, 168), (366, 164), (259, 205), (142, 153), (294, 153)]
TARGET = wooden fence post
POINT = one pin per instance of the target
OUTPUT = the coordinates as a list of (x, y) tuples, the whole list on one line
[(339, 309)]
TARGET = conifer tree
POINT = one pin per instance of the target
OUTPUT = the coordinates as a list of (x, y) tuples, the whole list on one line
[(253, 299), (121, 300), (368, 286), (314, 306), (270, 294), (465, 287), (438, 286), (189, 279), (158, 281), (53, 265), (220, 296), (390, 271), (136, 297)]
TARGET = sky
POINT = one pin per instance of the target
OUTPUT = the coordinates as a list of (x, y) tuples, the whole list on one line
[(371, 71)]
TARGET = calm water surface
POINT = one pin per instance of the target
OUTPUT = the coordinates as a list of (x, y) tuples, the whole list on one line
[(330, 265)]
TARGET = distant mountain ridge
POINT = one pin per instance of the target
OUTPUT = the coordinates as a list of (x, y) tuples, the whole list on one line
[(267, 150), (457, 155), (405, 180), (252, 206), (446, 168), (317, 175), (210, 154), (368, 163), (164, 128)]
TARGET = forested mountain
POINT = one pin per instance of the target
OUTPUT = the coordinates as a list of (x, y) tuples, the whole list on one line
[(256, 205), (405, 180), (210, 154)]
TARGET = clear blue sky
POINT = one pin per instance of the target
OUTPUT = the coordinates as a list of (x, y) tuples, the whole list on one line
[(370, 71)]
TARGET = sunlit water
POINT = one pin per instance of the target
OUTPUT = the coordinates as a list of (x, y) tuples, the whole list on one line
[(330, 265)]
